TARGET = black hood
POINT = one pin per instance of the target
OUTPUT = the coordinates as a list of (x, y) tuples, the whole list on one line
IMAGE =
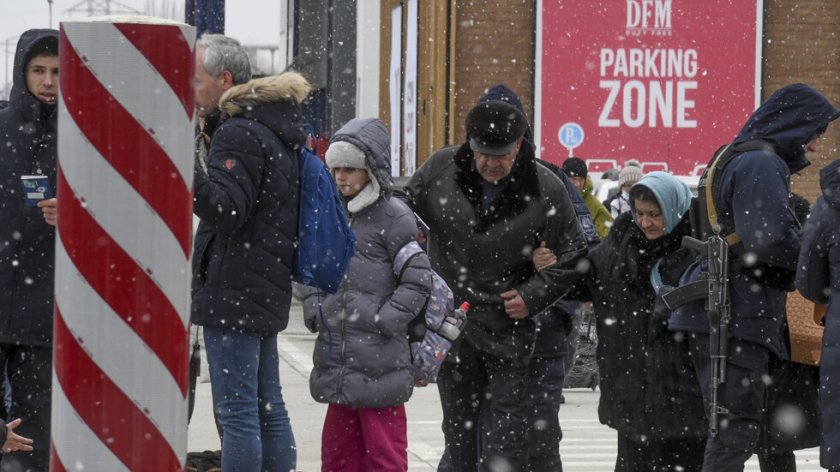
[(830, 183), (788, 120), (31, 42)]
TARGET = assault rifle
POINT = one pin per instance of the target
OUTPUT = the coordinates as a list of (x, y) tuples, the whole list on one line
[(715, 251), (714, 288)]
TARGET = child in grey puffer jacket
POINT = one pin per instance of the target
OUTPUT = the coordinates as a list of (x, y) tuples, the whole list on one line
[(362, 360)]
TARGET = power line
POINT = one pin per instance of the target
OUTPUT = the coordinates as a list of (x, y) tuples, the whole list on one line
[(101, 7)]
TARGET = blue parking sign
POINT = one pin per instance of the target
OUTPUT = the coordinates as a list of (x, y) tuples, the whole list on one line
[(570, 135)]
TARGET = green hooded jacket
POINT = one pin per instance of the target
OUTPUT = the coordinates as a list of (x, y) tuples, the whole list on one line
[(600, 215)]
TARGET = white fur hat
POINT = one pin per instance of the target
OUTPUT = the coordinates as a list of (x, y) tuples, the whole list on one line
[(346, 154)]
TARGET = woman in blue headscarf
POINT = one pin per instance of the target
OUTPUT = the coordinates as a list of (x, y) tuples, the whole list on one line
[(649, 389)]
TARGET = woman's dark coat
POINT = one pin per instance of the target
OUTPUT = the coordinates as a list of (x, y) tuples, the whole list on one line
[(818, 279), (648, 383), (28, 130), (248, 205)]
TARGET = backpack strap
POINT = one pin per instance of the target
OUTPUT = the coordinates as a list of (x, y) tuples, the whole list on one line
[(404, 257), (417, 326)]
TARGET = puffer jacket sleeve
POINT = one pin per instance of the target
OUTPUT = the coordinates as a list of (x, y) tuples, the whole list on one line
[(312, 306), (813, 270), (226, 196), (414, 284)]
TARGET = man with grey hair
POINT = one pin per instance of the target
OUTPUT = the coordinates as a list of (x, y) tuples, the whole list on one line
[(220, 63)]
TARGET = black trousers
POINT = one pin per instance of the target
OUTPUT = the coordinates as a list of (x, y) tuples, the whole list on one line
[(479, 381), (545, 388), (659, 455), (30, 377), (742, 394)]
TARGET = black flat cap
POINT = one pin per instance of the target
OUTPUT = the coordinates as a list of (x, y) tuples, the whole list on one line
[(494, 126)]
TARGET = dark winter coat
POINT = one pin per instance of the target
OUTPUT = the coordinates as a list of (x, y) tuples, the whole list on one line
[(28, 131), (818, 279), (362, 357), (556, 322), (648, 383), (483, 252), (754, 191), (248, 205)]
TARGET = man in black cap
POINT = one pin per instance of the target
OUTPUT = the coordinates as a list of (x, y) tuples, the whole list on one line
[(488, 204)]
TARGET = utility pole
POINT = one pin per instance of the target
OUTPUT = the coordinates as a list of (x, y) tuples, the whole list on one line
[(50, 3), (6, 87)]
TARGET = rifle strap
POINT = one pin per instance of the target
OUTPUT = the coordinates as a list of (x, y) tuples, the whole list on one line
[(710, 202), (721, 159)]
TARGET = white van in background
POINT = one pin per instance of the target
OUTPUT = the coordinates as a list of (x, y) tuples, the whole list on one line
[(606, 188)]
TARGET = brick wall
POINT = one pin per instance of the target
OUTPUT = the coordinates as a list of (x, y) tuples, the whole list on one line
[(495, 44), (801, 44)]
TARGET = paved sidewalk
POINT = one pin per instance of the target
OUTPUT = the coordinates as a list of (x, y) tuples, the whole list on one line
[(307, 416), (587, 445)]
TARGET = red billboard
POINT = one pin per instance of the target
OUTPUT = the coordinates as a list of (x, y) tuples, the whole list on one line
[(664, 82)]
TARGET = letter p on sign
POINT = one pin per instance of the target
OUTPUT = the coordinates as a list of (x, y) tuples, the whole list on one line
[(570, 136)]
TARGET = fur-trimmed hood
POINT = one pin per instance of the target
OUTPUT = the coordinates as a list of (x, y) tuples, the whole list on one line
[(288, 86), (273, 101)]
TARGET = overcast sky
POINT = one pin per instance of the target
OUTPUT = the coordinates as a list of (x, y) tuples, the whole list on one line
[(250, 21)]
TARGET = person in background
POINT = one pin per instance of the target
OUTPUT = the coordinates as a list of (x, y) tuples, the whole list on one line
[(28, 131), (818, 279), (248, 202), (576, 169), (629, 175), (362, 358), (792, 392)]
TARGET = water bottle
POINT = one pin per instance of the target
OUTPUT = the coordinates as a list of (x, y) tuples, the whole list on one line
[(453, 324)]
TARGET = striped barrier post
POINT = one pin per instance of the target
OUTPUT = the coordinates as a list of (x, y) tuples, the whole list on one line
[(125, 176)]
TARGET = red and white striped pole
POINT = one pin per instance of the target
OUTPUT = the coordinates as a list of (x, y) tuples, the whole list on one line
[(125, 146)]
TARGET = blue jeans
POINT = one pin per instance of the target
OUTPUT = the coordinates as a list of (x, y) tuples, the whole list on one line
[(245, 380)]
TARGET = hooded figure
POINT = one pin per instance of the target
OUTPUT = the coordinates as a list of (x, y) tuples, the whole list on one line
[(818, 279), (346, 363), (27, 243), (750, 195), (362, 360), (28, 130)]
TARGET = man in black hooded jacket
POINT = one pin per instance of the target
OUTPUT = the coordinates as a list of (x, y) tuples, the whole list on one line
[(27, 242), (750, 195)]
